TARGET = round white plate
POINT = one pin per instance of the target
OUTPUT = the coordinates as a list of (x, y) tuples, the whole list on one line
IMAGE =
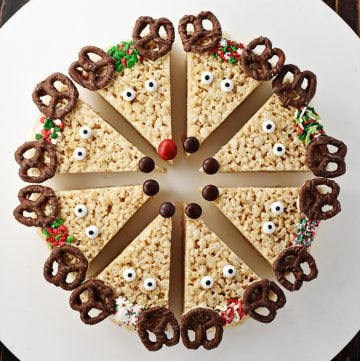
[(45, 36)]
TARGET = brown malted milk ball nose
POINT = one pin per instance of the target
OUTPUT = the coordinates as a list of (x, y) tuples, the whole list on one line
[(210, 166), (191, 145), (193, 210), (167, 210), (146, 165), (151, 187), (210, 192)]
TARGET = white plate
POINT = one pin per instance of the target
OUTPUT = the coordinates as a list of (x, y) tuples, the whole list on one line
[(36, 322)]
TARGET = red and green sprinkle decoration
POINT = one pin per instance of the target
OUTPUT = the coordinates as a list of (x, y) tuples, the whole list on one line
[(308, 124), (233, 311), (50, 131), (57, 234), (228, 51), (125, 55), (305, 231)]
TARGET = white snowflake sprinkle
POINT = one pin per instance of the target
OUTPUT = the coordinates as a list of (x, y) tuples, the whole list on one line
[(223, 42)]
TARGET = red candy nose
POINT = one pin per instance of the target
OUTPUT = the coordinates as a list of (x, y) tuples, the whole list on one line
[(167, 149)]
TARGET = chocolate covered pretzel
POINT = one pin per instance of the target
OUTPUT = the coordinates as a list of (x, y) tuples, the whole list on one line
[(290, 261), (98, 296), (69, 260), (91, 74), (200, 320), (155, 320), (36, 161), (258, 66), (201, 40), (144, 43), (62, 101)]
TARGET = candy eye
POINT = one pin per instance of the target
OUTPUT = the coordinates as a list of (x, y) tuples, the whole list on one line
[(129, 94), (268, 126), (149, 284), (206, 77), (268, 227), (207, 282), (85, 132), (227, 85), (92, 232), (129, 275), (80, 153), (277, 208), (279, 149), (80, 210), (151, 85), (229, 271)]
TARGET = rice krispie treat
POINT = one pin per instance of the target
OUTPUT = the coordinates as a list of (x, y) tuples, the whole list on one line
[(267, 217), (218, 79), (86, 218), (267, 142), (139, 276), (72, 138), (138, 86), (280, 223), (216, 280)]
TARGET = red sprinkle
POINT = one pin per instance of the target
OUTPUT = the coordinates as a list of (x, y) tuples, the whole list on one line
[(167, 149)]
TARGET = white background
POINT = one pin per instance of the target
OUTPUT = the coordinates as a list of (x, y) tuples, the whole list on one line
[(35, 320)]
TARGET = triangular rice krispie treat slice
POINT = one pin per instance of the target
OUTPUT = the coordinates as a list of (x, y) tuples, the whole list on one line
[(215, 277), (267, 217), (216, 81), (267, 142), (89, 144), (72, 138), (277, 136), (134, 77), (139, 276), (92, 217)]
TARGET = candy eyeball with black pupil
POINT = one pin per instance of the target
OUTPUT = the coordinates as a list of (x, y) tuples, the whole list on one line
[(92, 232), (279, 149), (129, 94), (229, 271), (268, 227), (149, 284), (277, 207), (268, 126), (85, 132), (80, 210), (206, 77), (129, 275), (79, 153), (151, 85), (227, 85), (207, 282)]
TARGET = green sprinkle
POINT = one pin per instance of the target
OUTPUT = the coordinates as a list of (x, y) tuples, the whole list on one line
[(57, 237), (45, 232), (48, 124), (38, 136), (57, 129), (130, 63), (54, 135), (69, 239), (50, 245), (119, 68)]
